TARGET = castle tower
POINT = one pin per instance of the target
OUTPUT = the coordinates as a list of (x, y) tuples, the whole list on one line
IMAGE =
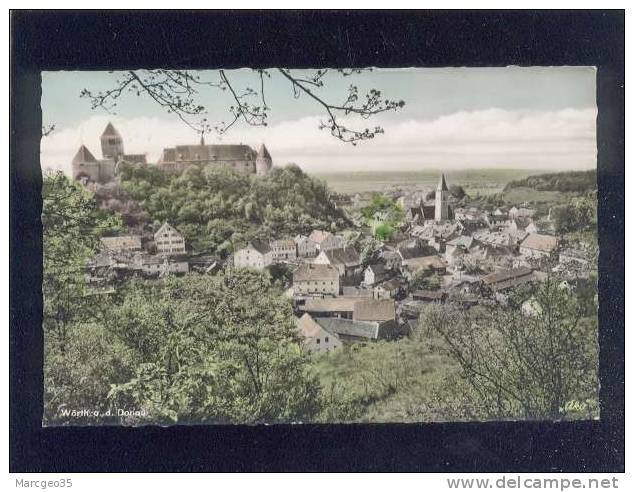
[(111, 143), (263, 161), (442, 200), (85, 166)]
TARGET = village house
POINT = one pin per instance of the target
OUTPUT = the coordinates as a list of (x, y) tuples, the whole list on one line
[(428, 265), (325, 240), (433, 296), (256, 255), (420, 214), (160, 266), (346, 260), (381, 311), (507, 279), (306, 247), (169, 241), (391, 259), (498, 220), (121, 243), (314, 337), (283, 250), (387, 290), (457, 248), (310, 278), (538, 246), (374, 274)]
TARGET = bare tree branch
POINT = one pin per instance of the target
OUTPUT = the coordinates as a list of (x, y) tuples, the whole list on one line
[(178, 92)]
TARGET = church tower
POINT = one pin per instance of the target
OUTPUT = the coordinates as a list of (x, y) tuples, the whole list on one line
[(263, 161), (442, 200), (111, 143)]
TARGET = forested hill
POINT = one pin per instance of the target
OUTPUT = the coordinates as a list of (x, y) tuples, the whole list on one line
[(217, 208), (575, 181)]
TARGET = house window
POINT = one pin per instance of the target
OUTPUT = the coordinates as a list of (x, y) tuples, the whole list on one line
[(318, 341), (326, 340)]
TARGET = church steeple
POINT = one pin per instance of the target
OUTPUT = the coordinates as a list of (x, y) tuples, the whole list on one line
[(442, 183), (441, 211)]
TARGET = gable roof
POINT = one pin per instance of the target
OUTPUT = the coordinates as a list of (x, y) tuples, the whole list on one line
[(309, 328), (377, 268), (462, 241), (121, 242), (409, 253), (343, 256), (208, 152), (83, 155), (283, 243), (348, 327), (260, 247), (540, 242), (166, 227), (506, 275), (334, 304), (374, 310), (426, 262), (312, 271), (319, 236)]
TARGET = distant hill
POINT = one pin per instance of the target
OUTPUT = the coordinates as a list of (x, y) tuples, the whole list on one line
[(575, 181)]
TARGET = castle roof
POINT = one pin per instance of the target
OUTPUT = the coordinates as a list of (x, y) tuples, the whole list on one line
[(83, 155), (442, 184), (208, 152), (263, 152), (110, 131)]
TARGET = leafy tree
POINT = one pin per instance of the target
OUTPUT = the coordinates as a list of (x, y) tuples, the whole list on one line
[(72, 227), (384, 231), (579, 214), (520, 366), (214, 349)]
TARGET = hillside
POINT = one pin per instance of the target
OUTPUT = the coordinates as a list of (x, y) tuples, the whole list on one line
[(570, 181), (217, 208)]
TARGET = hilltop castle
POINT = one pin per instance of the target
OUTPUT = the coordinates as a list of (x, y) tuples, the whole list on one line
[(87, 168), (242, 158)]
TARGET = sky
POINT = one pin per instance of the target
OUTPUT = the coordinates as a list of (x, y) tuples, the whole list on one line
[(453, 118)]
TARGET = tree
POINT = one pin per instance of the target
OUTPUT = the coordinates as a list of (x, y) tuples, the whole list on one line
[(214, 349), (77, 360), (523, 366), (72, 227), (178, 92)]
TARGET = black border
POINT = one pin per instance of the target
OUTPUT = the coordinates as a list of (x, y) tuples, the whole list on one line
[(52, 40)]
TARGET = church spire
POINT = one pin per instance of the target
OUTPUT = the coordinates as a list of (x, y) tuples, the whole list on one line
[(442, 183)]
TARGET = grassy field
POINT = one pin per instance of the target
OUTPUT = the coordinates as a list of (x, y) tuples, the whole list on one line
[(388, 380), (482, 181)]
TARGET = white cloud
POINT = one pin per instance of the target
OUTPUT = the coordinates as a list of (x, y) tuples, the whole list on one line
[(487, 138)]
